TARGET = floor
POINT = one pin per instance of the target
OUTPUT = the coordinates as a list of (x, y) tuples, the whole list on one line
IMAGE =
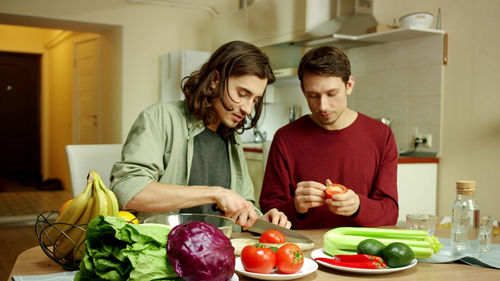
[(19, 208)]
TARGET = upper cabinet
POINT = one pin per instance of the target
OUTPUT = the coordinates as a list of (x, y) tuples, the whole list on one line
[(272, 22), (307, 23)]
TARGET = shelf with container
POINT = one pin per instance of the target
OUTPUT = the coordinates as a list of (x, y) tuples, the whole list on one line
[(285, 57)]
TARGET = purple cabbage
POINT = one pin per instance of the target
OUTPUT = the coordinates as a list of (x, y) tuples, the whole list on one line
[(200, 251)]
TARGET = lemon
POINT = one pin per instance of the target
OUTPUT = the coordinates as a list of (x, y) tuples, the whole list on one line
[(64, 206), (128, 217)]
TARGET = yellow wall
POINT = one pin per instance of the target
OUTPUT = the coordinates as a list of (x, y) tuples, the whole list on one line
[(470, 146), (60, 97)]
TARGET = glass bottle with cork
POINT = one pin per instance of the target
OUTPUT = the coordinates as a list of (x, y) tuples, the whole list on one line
[(465, 221)]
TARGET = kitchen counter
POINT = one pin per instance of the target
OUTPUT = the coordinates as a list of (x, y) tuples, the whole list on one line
[(253, 147), (417, 158), (34, 261)]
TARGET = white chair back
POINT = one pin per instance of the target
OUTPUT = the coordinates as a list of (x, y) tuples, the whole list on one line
[(85, 157)]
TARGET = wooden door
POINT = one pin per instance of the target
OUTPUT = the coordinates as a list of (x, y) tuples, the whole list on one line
[(86, 92), (20, 116)]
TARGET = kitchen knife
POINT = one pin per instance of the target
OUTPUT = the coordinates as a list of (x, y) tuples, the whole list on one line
[(260, 226), (291, 235)]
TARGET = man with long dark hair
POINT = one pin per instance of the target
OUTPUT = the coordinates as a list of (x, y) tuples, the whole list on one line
[(333, 142), (187, 156)]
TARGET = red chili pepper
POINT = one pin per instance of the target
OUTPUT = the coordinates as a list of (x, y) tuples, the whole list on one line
[(358, 258), (364, 265)]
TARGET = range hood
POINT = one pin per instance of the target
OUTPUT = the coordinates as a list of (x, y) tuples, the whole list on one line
[(348, 17)]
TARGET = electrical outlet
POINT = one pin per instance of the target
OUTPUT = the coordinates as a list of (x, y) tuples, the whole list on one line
[(426, 140)]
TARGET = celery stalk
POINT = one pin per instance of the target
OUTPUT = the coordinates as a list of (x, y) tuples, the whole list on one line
[(344, 240)]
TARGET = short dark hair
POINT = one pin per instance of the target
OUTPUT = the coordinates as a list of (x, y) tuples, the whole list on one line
[(235, 58), (325, 60)]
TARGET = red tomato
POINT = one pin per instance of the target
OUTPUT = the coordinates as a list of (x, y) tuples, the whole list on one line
[(272, 236), (258, 260), (289, 258), (334, 188)]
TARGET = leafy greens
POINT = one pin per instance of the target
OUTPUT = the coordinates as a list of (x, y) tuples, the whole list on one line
[(116, 250)]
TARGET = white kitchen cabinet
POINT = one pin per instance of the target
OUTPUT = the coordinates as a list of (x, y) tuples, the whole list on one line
[(256, 166), (174, 66), (274, 21), (230, 26), (417, 189), (270, 22)]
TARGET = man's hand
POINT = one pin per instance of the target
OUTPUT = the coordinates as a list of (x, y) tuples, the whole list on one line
[(309, 194), (276, 217), (245, 217), (344, 204), (236, 207)]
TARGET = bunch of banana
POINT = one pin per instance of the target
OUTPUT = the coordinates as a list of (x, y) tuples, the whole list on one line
[(69, 235)]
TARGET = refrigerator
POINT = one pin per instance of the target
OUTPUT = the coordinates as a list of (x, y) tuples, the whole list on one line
[(173, 67)]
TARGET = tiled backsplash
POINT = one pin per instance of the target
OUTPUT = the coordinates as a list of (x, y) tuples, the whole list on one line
[(399, 80), (402, 81)]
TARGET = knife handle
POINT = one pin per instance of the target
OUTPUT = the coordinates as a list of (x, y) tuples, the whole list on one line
[(216, 208)]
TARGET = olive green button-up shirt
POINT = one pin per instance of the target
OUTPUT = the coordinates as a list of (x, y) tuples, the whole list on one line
[(159, 147)]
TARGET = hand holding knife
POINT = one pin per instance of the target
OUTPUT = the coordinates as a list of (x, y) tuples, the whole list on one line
[(260, 226)]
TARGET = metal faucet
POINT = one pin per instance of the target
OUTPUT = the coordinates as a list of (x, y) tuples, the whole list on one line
[(259, 136), (293, 112)]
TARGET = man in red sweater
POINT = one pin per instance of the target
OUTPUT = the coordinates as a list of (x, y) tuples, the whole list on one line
[(332, 143)]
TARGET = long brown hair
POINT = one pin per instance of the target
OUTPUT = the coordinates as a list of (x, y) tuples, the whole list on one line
[(235, 58)]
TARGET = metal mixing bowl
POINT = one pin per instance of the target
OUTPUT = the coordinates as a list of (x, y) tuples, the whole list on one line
[(224, 224)]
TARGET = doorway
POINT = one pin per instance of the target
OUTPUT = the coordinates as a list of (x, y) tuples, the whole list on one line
[(86, 105), (20, 117)]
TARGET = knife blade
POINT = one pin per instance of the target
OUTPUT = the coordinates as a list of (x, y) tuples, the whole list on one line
[(291, 235), (260, 226)]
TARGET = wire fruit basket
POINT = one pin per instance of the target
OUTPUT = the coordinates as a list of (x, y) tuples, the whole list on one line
[(57, 248)]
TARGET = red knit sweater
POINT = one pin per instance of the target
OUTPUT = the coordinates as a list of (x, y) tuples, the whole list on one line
[(362, 157)]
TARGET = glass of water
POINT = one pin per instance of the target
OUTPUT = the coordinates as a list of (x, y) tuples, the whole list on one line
[(485, 229), (425, 222)]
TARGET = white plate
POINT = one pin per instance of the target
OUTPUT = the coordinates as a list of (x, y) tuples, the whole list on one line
[(318, 253), (235, 277), (309, 267)]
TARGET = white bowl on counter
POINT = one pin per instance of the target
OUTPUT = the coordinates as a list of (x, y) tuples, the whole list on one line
[(416, 20)]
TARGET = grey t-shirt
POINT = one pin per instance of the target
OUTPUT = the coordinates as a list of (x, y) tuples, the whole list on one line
[(210, 166)]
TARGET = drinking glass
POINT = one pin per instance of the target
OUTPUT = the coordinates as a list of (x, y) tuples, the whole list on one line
[(425, 222), (485, 229)]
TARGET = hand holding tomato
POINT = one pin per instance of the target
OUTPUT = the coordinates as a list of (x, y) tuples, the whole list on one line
[(308, 194), (258, 259), (334, 188), (340, 200), (272, 236), (289, 258)]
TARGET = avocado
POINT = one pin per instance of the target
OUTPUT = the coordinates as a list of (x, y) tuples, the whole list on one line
[(371, 247), (398, 254)]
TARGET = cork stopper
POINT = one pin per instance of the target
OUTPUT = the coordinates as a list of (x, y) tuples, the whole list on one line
[(466, 187)]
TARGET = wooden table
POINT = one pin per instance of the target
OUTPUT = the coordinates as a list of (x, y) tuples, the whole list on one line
[(34, 261)]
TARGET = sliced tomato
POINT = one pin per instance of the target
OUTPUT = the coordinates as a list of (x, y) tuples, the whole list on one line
[(257, 259), (289, 258), (334, 188), (272, 236)]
